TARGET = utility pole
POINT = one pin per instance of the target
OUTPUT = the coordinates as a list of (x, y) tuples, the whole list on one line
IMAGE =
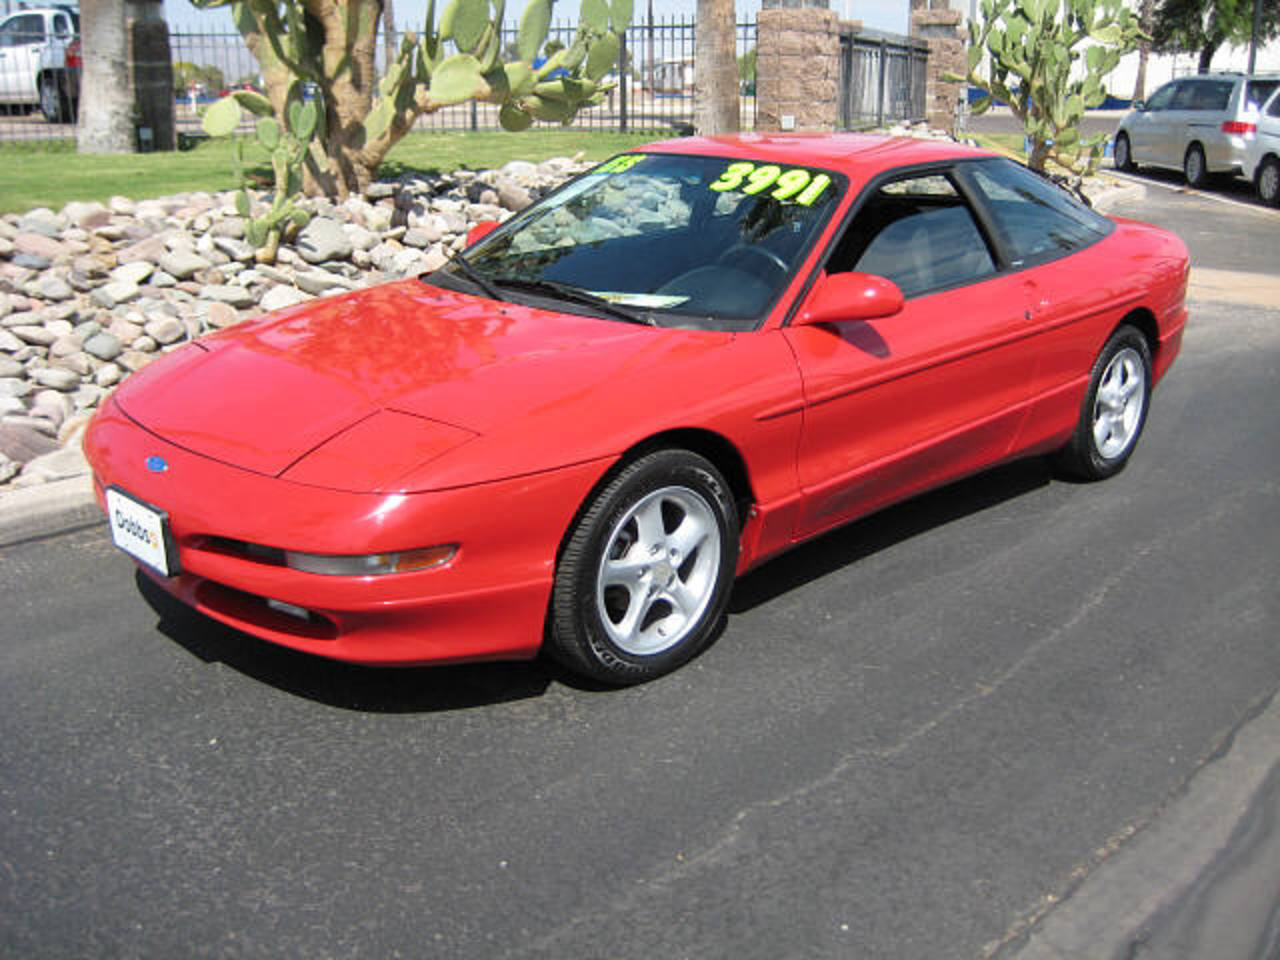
[(1257, 29)]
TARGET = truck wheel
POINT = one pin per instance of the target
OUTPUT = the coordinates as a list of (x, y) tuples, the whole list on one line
[(54, 104)]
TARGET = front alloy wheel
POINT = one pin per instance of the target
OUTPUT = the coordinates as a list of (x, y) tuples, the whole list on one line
[(1115, 408), (1123, 154), (645, 576)]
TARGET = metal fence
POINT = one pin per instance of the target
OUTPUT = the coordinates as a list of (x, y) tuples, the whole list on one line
[(882, 78), (653, 92)]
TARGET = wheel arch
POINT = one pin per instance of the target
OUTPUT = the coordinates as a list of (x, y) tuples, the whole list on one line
[(1145, 321), (715, 447)]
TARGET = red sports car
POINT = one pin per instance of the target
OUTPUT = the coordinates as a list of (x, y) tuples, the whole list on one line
[(576, 434)]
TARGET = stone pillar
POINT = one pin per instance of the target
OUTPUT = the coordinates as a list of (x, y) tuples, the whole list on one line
[(797, 69), (948, 40)]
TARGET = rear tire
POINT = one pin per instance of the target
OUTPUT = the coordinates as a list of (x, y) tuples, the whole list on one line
[(1123, 154), (1114, 410), (1267, 182), (54, 103), (645, 576), (1194, 167)]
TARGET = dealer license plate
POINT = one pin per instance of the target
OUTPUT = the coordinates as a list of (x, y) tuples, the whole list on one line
[(141, 531)]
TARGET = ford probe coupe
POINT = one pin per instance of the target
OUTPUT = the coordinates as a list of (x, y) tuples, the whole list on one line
[(579, 431)]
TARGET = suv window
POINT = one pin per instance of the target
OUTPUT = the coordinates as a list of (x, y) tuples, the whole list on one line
[(1161, 98), (918, 232), (1274, 109), (61, 25), (1038, 220), (1212, 94), (1257, 91)]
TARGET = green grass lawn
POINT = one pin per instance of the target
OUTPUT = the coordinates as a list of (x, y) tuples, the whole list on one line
[(54, 175)]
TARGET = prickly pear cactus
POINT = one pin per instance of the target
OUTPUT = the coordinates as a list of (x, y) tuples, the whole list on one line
[(328, 44), (1047, 59), (286, 144)]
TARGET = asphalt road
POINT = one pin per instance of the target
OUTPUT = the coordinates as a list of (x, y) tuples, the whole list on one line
[(913, 737)]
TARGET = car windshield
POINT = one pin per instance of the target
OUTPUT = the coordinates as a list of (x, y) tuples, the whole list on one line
[(689, 241)]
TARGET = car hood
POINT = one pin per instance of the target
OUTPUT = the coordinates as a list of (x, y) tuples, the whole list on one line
[(403, 372)]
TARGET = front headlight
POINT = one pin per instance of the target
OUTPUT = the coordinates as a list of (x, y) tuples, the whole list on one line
[(371, 564)]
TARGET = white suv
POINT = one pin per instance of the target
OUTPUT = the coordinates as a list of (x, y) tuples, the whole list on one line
[(1200, 125), (1262, 156), (40, 61)]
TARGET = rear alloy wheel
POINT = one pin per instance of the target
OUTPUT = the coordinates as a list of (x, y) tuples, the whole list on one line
[(1268, 184), (53, 102), (1194, 167), (645, 576), (1123, 155), (1115, 408)]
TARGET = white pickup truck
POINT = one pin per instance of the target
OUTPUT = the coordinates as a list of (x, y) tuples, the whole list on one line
[(40, 61)]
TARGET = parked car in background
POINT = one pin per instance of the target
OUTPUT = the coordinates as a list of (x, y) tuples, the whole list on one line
[(1262, 156), (40, 61), (1200, 125)]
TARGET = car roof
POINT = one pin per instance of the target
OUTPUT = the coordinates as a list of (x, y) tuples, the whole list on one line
[(858, 154)]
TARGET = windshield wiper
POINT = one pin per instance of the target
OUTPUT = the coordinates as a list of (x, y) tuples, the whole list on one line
[(572, 294), (476, 277)]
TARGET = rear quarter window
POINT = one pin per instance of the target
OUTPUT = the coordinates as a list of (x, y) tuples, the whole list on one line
[(1037, 220)]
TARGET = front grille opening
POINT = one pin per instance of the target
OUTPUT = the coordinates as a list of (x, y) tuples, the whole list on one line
[(256, 552), (256, 611)]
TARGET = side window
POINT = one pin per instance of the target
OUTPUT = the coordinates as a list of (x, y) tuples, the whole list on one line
[(1214, 95), (61, 25), (1274, 109), (918, 232), (1184, 98), (1037, 220), (1161, 99), (31, 28), (1256, 92)]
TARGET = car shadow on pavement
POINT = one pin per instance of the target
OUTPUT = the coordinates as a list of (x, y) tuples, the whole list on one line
[(847, 545), (344, 685)]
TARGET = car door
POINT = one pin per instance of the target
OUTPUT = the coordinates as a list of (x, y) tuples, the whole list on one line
[(897, 404), (23, 39), (1050, 239), (1146, 127)]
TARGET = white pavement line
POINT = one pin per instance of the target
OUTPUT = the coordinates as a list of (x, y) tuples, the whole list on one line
[(1203, 194), (1107, 913), (54, 507)]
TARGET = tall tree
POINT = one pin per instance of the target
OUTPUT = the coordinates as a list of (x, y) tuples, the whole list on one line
[(716, 108), (1146, 16), (106, 97), (1201, 27), (389, 45)]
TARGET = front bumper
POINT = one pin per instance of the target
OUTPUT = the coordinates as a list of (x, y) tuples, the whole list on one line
[(489, 603)]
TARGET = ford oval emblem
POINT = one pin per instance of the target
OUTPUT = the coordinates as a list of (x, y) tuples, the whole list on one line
[(157, 464)]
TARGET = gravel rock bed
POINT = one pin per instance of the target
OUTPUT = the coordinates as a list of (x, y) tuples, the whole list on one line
[(93, 292)]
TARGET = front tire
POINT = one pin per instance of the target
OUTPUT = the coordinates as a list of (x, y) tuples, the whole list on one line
[(1194, 167), (645, 576), (1114, 410), (1268, 182), (1123, 154)]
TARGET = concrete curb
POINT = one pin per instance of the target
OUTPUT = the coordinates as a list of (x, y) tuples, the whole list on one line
[(1190, 848), (47, 509)]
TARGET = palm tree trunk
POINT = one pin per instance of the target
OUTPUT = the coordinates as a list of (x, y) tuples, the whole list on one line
[(152, 72), (716, 108), (106, 97)]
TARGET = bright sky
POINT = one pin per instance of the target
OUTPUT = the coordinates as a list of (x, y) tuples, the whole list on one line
[(890, 15)]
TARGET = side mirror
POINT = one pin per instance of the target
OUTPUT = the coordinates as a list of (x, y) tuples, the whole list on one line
[(480, 231), (1139, 105), (850, 296)]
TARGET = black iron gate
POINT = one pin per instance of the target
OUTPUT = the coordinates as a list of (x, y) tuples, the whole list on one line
[(882, 78)]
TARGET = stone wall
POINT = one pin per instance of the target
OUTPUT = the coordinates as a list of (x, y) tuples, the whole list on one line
[(948, 40), (797, 69)]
